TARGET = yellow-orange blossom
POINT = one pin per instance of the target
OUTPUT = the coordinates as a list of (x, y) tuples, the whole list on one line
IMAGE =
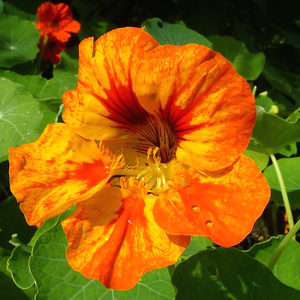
[(151, 153)]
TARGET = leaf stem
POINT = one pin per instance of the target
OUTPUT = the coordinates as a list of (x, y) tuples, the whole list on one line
[(283, 192), (283, 244), (294, 112)]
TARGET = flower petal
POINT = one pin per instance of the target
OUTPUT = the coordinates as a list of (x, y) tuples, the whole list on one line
[(55, 172), (222, 206), (103, 105), (113, 238), (199, 93)]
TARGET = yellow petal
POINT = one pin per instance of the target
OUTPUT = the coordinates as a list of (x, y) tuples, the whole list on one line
[(113, 238), (103, 105), (55, 172)]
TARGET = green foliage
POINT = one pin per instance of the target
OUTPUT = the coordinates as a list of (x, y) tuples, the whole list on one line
[(249, 65), (290, 170), (18, 43), (174, 34), (228, 273)]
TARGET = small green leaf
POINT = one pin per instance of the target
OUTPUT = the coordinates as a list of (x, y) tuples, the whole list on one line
[(69, 61), (55, 279), (198, 243), (287, 268), (264, 101), (260, 159), (249, 65), (9, 291), (18, 42), (20, 116), (290, 170), (228, 273), (174, 34), (271, 133)]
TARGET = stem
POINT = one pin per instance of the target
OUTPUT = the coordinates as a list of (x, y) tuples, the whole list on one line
[(45, 40), (283, 192), (3, 189), (283, 244)]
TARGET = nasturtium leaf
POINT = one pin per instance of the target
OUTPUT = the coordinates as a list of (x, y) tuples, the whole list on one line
[(289, 150), (33, 83), (290, 171), (248, 64), (260, 159), (198, 243), (12, 221), (280, 83), (18, 266), (9, 291), (228, 273), (174, 34), (271, 133), (20, 116), (10, 9), (287, 267), (69, 61), (18, 41), (1, 6), (55, 279), (265, 102), (58, 85)]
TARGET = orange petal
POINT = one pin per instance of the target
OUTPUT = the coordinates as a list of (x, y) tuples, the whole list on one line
[(55, 172), (103, 105), (201, 96), (222, 206), (113, 238)]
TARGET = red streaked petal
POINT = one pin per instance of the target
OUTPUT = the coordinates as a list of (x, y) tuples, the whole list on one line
[(222, 206), (55, 172), (103, 105), (207, 104), (113, 238)]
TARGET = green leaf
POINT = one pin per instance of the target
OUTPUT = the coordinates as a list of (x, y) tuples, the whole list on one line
[(198, 243), (228, 273), (260, 159), (12, 10), (69, 61), (12, 221), (33, 83), (173, 34), (9, 291), (18, 266), (1, 6), (58, 85), (264, 101), (290, 170), (20, 116), (249, 65), (55, 279), (271, 133), (18, 42), (280, 83), (287, 268)]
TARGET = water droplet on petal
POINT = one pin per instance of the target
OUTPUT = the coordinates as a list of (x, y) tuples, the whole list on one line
[(130, 222), (209, 224), (196, 209)]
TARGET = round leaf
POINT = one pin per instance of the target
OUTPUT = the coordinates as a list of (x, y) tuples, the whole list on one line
[(18, 41), (19, 116), (228, 273), (174, 34)]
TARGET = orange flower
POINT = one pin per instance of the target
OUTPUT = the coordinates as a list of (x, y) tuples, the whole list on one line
[(56, 21), (51, 50), (173, 123)]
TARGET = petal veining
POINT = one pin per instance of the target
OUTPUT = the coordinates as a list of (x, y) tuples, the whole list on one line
[(206, 103), (103, 105)]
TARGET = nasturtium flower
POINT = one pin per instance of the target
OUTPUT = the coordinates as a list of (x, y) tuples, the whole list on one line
[(56, 21), (151, 153), (51, 50)]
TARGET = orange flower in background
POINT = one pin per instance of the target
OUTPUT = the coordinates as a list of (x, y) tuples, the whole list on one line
[(56, 21), (173, 122), (56, 24), (51, 50)]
